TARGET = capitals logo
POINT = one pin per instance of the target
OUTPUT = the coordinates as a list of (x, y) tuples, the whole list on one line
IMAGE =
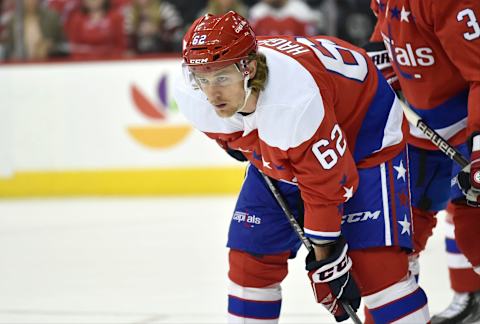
[(408, 57), (247, 219)]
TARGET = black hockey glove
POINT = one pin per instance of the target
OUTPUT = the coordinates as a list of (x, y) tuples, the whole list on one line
[(332, 281), (236, 154)]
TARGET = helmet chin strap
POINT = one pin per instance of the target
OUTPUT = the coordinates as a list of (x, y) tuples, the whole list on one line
[(248, 92)]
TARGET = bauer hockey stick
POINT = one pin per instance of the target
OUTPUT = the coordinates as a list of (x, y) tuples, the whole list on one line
[(301, 235), (433, 136)]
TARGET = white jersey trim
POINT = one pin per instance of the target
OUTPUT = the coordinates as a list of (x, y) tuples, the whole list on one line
[(393, 134), (333, 235)]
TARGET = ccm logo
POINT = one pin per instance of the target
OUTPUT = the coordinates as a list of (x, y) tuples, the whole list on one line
[(199, 61), (325, 275)]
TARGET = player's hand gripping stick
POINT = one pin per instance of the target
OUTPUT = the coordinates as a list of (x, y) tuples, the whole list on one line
[(347, 308), (332, 281)]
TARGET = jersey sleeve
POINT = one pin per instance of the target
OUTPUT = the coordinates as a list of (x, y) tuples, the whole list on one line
[(457, 25), (326, 174)]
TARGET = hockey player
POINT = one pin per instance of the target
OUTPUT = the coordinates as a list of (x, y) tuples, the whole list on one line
[(435, 50), (315, 115)]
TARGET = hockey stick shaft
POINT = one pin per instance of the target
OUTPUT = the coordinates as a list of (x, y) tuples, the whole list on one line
[(301, 235), (434, 137)]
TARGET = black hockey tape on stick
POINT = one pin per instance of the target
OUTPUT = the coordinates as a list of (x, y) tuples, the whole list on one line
[(301, 235), (434, 137)]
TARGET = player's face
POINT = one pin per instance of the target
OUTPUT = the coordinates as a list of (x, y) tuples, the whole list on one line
[(224, 89)]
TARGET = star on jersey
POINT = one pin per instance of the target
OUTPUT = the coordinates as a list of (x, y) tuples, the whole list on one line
[(266, 164), (404, 15), (381, 6), (348, 193), (405, 225), (401, 171), (395, 13)]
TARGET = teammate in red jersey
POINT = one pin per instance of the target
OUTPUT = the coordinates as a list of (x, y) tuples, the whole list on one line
[(434, 47), (315, 115)]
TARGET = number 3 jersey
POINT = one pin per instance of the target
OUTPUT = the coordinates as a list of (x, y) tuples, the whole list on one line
[(325, 111), (435, 50)]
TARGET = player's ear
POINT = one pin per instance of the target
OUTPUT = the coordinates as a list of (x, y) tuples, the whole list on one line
[(252, 67)]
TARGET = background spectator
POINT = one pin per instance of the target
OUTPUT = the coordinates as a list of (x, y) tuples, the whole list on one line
[(7, 10), (350, 20), (111, 28), (153, 26), (283, 17), (189, 10), (96, 31), (64, 7), (219, 7), (34, 32)]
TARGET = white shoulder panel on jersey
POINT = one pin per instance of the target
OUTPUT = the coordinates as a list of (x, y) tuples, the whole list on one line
[(195, 106), (290, 109)]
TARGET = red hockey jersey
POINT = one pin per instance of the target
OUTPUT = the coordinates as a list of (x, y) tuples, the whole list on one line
[(324, 112), (435, 49)]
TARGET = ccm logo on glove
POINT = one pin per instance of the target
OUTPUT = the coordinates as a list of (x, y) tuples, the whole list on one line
[(332, 271)]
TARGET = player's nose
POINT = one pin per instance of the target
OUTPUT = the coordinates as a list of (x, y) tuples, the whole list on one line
[(213, 92)]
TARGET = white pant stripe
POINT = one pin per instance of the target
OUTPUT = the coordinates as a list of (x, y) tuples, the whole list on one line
[(386, 211)]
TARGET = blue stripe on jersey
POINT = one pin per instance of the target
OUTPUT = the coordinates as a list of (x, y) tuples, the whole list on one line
[(400, 307), (448, 113), (254, 309), (451, 246), (371, 132)]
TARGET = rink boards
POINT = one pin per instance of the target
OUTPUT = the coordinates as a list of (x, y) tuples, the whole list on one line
[(103, 128)]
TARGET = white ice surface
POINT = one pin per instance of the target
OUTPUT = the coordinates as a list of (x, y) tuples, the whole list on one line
[(142, 260)]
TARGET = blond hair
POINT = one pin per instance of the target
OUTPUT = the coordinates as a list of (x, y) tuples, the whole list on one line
[(261, 75)]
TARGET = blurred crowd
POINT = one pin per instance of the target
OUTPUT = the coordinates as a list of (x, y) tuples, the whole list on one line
[(37, 30)]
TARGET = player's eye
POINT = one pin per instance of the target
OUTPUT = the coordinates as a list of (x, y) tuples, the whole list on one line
[(222, 80), (202, 81)]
